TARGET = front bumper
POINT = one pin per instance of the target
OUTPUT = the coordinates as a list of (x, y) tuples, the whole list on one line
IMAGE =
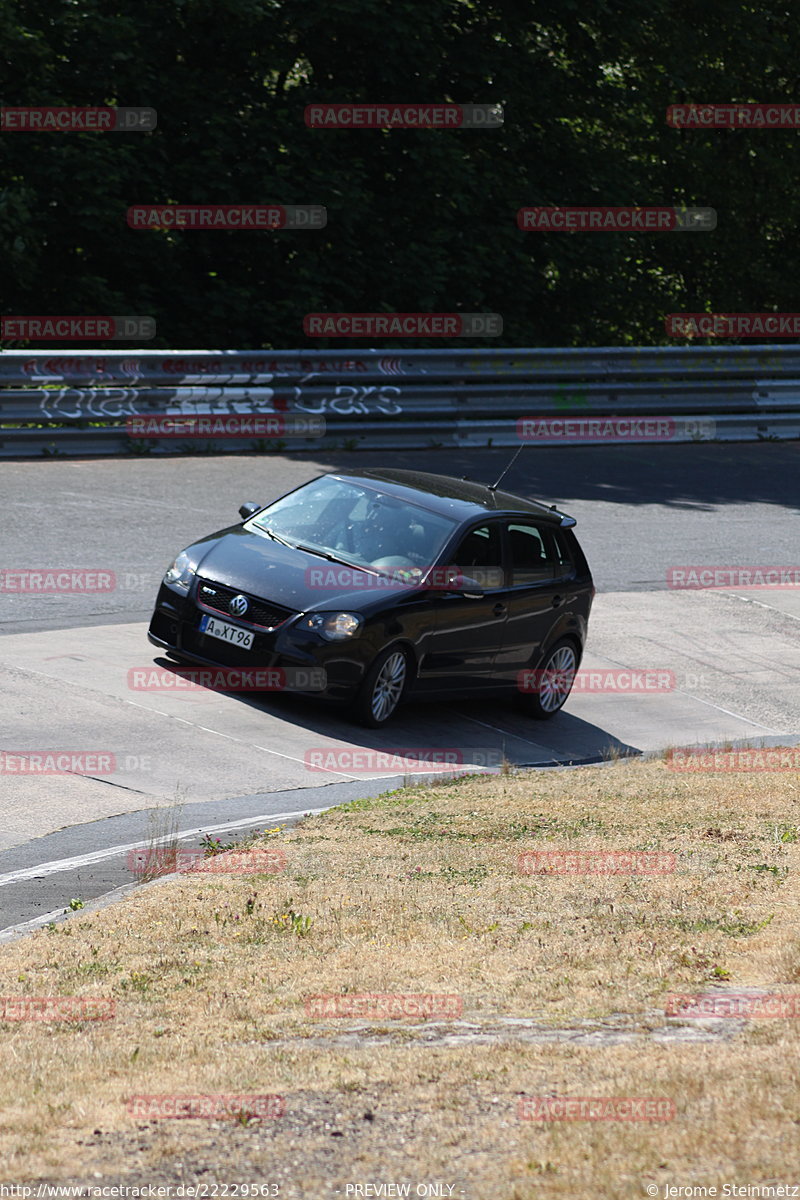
[(304, 660)]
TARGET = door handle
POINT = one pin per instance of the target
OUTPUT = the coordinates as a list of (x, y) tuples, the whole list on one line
[(558, 601), (499, 609)]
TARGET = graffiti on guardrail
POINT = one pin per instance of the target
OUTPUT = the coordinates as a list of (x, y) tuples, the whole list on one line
[(351, 400), (456, 397), (569, 368), (175, 401), (78, 403), (303, 369), (35, 368), (85, 403)]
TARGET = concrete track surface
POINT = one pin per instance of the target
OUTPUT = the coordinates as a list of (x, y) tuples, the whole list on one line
[(728, 660)]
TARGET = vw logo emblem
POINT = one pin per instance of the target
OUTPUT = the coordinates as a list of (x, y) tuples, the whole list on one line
[(238, 606)]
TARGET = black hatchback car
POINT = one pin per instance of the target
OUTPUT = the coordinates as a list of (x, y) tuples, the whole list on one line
[(377, 585)]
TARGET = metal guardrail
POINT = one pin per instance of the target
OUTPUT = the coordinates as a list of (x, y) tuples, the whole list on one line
[(78, 401)]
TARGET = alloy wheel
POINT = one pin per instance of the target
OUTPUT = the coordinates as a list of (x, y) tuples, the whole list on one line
[(388, 686), (557, 679)]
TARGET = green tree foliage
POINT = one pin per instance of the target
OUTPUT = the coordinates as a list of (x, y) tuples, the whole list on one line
[(417, 220)]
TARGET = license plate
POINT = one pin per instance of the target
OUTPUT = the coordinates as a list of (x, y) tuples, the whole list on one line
[(226, 632)]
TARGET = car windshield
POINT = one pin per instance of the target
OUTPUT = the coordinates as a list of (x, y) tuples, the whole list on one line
[(357, 524)]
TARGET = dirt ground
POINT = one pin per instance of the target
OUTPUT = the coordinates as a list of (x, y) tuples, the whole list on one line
[(419, 993)]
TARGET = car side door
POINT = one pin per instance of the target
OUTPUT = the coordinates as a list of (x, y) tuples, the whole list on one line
[(467, 632), (536, 594)]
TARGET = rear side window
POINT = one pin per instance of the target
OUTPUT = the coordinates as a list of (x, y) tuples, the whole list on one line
[(533, 553), (565, 565)]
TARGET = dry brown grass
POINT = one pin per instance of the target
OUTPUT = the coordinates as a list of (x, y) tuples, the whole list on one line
[(419, 892)]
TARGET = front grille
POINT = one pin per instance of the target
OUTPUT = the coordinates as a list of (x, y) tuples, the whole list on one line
[(215, 650), (261, 614)]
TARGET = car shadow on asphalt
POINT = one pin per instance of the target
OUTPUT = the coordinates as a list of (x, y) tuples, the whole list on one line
[(483, 732)]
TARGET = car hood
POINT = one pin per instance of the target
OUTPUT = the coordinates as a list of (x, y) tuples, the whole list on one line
[(293, 578)]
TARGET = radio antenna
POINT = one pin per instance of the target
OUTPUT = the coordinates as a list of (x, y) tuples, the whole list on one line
[(493, 486)]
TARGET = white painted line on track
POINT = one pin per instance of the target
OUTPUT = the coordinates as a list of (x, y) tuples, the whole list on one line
[(243, 741), (770, 607), (83, 860), (728, 712), (710, 703), (86, 860), (517, 737), (184, 721)]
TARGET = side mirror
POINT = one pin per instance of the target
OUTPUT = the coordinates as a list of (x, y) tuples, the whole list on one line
[(469, 588), (248, 509), (450, 579)]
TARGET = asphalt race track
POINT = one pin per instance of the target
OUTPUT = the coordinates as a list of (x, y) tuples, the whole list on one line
[(726, 660)]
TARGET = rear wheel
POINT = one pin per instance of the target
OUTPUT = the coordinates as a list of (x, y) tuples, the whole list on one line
[(554, 681), (383, 688)]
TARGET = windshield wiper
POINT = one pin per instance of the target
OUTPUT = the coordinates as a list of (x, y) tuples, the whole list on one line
[(275, 537), (320, 553), (335, 558)]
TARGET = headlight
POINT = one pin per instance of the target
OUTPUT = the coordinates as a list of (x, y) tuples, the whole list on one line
[(179, 576), (334, 627)]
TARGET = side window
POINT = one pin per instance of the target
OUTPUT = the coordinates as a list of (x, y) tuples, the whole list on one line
[(565, 567), (480, 556), (532, 554)]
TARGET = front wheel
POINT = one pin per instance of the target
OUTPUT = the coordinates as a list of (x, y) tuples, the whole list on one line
[(553, 682), (383, 688)]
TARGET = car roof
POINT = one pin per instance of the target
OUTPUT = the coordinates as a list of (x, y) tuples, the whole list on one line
[(459, 498)]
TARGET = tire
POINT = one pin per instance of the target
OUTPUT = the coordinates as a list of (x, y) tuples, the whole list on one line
[(383, 688), (556, 676)]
